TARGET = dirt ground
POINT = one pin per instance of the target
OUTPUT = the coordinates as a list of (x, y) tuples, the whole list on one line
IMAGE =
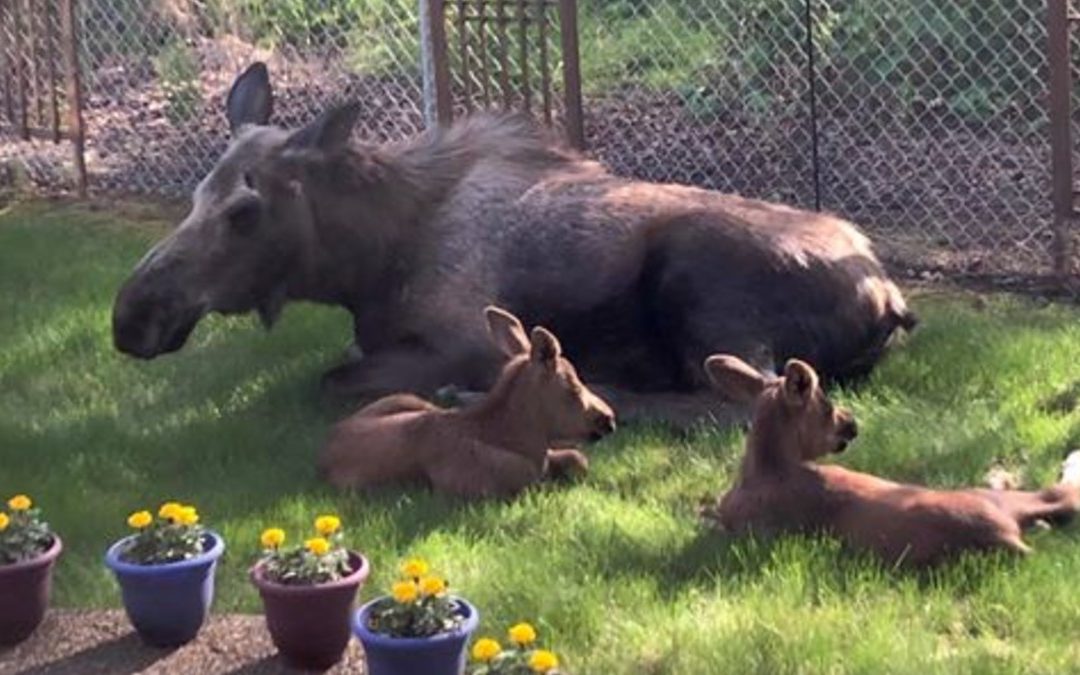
[(73, 642)]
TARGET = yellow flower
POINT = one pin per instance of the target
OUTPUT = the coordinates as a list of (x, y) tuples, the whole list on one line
[(20, 503), (317, 545), (273, 537), (405, 591), (140, 519), (543, 661), (485, 649), (522, 634), (170, 510), (187, 515), (327, 525), (4, 520), (432, 586), (414, 569)]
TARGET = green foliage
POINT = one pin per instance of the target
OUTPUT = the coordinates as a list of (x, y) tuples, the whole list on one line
[(521, 657), (173, 536), (23, 535), (417, 607), (178, 72)]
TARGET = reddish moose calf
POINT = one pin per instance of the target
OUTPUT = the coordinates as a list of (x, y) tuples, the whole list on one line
[(781, 488), (493, 448)]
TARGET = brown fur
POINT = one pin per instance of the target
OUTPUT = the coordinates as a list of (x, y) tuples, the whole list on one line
[(495, 447), (781, 487), (641, 281)]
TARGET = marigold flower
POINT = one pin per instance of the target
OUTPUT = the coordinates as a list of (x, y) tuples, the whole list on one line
[(543, 661), (20, 503), (485, 649), (327, 525), (522, 634), (170, 510), (414, 568), (432, 586), (4, 521), (405, 591), (273, 537), (140, 520), (187, 515), (317, 545)]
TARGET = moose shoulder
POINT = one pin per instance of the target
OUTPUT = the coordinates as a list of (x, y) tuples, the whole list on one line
[(641, 281)]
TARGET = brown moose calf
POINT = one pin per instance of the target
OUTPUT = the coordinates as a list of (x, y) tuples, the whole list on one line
[(495, 447), (780, 487)]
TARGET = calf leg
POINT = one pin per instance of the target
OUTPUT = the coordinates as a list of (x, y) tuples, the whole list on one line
[(411, 370), (565, 464), (483, 471), (1056, 504)]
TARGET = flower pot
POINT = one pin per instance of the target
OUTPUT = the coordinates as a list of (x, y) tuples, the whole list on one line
[(442, 654), (310, 624), (24, 594), (167, 603)]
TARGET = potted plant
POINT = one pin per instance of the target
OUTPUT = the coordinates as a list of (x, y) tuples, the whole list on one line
[(28, 551), (521, 657), (308, 591), (418, 628), (166, 573)]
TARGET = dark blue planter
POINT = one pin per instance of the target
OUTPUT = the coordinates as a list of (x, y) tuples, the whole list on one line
[(167, 603), (442, 654)]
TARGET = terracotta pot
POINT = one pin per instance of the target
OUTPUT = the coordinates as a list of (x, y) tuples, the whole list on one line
[(24, 594), (310, 624)]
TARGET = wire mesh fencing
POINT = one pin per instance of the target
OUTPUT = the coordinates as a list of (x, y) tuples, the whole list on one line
[(925, 122)]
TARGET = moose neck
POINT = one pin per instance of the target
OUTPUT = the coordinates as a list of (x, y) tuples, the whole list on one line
[(368, 208), (508, 416), (767, 444)]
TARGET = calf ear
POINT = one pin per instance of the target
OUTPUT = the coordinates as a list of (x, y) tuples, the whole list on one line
[(329, 131), (734, 378), (506, 332), (251, 99), (800, 381), (545, 347)]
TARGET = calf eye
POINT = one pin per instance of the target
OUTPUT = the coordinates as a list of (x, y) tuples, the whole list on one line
[(244, 217)]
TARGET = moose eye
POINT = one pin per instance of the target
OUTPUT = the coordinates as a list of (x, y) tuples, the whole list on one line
[(249, 180), (244, 217)]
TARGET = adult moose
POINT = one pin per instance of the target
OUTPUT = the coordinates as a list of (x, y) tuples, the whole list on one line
[(641, 281)]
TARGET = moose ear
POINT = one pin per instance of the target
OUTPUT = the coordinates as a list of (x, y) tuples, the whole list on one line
[(545, 347), (329, 131), (734, 378), (251, 100), (506, 332), (800, 381)]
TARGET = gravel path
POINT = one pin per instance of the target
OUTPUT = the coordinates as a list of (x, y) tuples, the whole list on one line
[(77, 642)]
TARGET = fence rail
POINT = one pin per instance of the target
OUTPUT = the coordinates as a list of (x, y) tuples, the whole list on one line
[(926, 122)]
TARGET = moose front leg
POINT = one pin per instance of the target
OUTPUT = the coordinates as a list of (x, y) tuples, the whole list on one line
[(568, 464), (415, 371)]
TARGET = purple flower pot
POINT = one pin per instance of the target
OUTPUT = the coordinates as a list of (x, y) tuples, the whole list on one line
[(167, 603), (442, 654), (310, 624), (24, 594)]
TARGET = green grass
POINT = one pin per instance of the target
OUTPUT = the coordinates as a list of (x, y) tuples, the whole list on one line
[(614, 571)]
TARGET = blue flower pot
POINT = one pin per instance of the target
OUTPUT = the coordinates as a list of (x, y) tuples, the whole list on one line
[(442, 654), (168, 603)]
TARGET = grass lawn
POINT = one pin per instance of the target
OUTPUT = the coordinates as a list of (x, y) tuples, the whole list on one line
[(614, 571)]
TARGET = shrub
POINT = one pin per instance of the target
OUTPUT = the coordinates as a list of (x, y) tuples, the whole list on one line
[(319, 559), (23, 534), (174, 535)]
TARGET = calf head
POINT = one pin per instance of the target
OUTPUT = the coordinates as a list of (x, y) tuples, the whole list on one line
[(793, 419), (541, 379)]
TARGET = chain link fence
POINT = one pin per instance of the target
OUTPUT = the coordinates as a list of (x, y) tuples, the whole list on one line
[(923, 121)]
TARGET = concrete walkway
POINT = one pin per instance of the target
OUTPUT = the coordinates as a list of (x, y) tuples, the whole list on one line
[(74, 642)]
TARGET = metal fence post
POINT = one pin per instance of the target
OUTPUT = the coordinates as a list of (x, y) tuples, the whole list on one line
[(74, 91), (1057, 20), (435, 70)]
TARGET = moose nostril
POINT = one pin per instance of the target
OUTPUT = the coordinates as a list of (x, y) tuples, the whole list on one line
[(605, 425), (850, 430)]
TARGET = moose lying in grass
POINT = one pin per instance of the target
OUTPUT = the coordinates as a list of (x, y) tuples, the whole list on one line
[(495, 447), (780, 487), (641, 281)]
